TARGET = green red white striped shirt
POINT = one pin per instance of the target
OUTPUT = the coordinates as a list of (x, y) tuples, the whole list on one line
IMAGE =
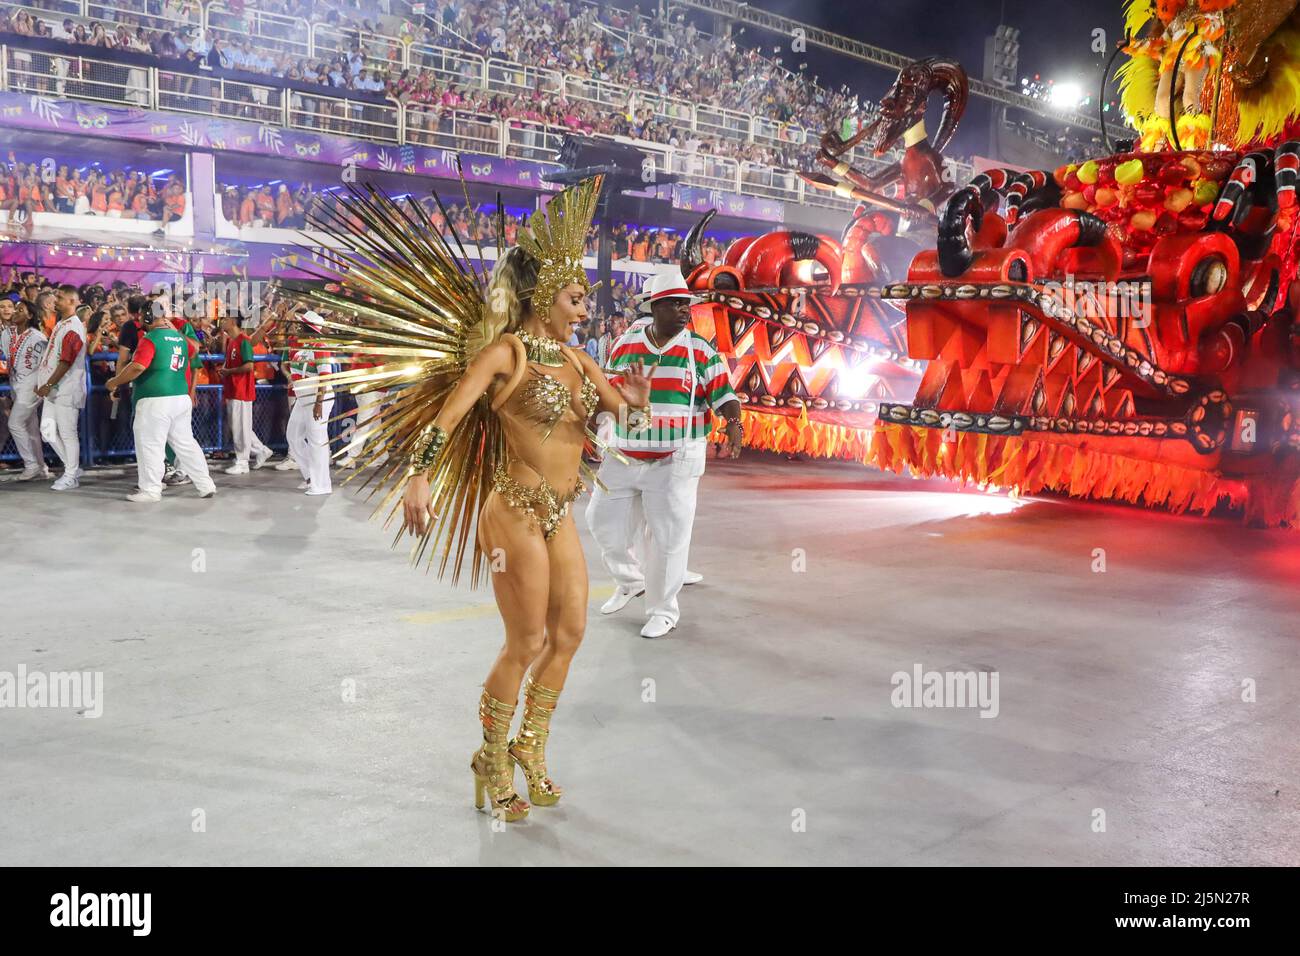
[(690, 379)]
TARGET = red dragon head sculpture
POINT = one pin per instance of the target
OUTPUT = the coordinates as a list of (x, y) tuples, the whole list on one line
[(1134, 344)]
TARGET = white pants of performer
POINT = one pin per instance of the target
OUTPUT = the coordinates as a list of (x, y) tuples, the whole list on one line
[(655, 498), (240, 415), (160, 422), (25, 427), (59, 428), (368, 406), (309, 441)]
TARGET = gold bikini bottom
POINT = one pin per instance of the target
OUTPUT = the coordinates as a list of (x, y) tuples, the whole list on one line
[(544, 504)]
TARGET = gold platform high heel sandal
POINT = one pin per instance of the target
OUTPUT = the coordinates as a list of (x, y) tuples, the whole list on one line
[(528, 750), (493, 772)]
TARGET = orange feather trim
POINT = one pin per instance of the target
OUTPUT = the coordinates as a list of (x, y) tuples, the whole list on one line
[(1028, 466)]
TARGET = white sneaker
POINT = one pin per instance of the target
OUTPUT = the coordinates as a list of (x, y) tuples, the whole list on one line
[(692, 577), (261, 458), (287, 465), (313, 491), (304, 485), (657, 626), (210, 493), (618, 600), (143, 496), (348, 463), (31, 474), (176, 477), (237, 469), (66, 483)]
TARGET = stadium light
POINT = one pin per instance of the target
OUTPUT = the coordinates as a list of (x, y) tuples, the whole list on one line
[(1001, 56)]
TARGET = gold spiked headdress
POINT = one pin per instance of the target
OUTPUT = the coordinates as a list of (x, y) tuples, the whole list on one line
[(404, 312), (556, 236)]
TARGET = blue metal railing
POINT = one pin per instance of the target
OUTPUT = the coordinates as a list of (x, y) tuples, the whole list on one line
[(108, 437)]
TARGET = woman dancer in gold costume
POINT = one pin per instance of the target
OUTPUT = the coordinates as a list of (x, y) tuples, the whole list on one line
[(500, 432)]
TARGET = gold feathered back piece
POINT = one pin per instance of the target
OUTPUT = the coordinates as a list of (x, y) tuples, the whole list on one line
[(399, 298)]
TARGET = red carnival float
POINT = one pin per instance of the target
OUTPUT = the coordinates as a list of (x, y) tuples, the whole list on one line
[(1121, 328)]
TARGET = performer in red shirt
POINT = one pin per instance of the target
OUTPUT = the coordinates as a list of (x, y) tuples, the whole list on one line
[(239, 389)]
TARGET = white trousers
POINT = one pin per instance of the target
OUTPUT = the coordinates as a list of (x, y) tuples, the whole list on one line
[(368, 406), (240, 415), (654, 500), (59, 428), (25, 427), (309, 441), (160, 422)]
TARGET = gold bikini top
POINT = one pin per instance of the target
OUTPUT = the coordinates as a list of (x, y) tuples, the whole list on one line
[(544, 398)]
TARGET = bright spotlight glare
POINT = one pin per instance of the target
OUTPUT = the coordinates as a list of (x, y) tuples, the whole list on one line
[(1066, 96), (854, 380)]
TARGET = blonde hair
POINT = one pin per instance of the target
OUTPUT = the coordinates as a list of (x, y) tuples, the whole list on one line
[(509, 296)]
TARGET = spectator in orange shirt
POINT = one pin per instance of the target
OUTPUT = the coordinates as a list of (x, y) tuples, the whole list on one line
[(45, 312), (65, 196), (265, 206), (173, 204), (263, 371), (98, 195), (247, 210), (283, 206), (664, 247), (139, 205)]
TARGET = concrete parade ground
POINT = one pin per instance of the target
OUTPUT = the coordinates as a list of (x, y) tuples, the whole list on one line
[(279, 687)]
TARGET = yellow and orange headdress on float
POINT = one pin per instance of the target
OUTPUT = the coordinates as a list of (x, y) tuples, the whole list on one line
[(1211, 72)]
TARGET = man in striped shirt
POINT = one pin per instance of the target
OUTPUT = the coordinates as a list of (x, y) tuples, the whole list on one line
[(658, 485)]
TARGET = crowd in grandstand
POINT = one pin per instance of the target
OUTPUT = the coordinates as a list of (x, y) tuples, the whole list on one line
[(657, 58), (667, 57), (117, 194), (284, 206)]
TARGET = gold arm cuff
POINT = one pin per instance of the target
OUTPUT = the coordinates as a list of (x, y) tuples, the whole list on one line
[(427, 448)]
